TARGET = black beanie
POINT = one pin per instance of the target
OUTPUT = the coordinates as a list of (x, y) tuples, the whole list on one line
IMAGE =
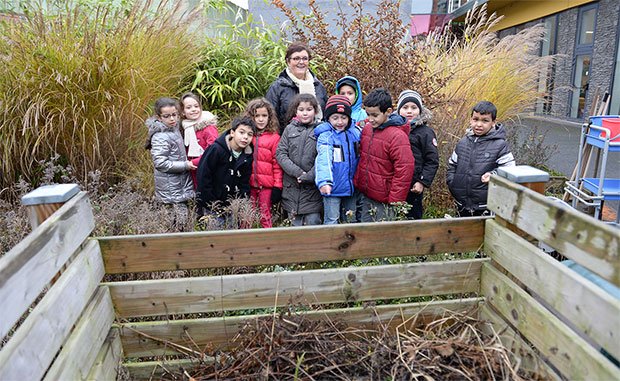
[(337, 104)]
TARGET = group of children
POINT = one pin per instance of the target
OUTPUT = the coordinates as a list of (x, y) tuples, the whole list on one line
[(354, 166)]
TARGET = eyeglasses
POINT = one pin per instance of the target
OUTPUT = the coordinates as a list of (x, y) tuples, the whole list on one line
[(297, 59), (166, 116)]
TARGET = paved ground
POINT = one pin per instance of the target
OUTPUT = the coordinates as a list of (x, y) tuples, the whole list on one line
[(565, 135)]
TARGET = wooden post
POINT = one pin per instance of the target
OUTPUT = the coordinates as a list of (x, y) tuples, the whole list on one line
[(529, 177), (44, 201)]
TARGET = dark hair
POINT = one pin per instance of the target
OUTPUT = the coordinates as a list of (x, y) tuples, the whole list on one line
[(292, 108), (379, 98), (297, 47), (485, 108), (190, 95), (164, 102), (243, 120), (255, 104)]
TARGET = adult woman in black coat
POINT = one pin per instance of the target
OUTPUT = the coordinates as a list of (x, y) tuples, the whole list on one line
[(295, 79)]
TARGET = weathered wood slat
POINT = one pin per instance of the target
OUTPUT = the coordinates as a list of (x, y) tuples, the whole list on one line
[(564, 349), (218, 332), (154, 370), (238, 292), (80, 351), (108, 361), (289, 245), (523, 355), (30, 351), (588, 307), (27, 268), (589, 242)]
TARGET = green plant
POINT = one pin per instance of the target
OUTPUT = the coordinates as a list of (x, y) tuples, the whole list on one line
[(76, 79), (238, 64)]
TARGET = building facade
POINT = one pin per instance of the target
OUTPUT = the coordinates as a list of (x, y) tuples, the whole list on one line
[(583, 33)]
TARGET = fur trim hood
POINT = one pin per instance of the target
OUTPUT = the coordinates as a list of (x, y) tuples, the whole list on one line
[(424, 118)]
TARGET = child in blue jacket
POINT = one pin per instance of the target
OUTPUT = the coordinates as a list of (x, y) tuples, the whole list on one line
[(336, 161)]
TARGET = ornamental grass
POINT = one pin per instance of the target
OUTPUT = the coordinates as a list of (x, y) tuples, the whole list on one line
[(77, 80)]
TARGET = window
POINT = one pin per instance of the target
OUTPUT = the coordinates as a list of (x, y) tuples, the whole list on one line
[(586, 25), (548, 47)]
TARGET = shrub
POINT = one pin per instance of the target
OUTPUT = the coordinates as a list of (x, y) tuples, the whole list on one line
[(239, 64), (77, 80)]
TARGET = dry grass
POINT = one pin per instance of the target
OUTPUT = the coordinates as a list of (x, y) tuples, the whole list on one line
[(77, 80)]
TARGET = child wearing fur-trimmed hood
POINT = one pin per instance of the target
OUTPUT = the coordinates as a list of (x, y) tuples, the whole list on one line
[(423, 143)]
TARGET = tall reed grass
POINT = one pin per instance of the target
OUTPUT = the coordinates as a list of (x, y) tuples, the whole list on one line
[(76, 80)]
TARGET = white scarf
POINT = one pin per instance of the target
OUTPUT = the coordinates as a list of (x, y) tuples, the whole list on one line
[(191, 141), (306, 86)]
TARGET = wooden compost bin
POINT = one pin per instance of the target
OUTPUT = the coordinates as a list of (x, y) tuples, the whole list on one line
[(60, 322)]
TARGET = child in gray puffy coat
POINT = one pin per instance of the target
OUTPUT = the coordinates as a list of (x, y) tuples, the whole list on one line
[(173, 183)]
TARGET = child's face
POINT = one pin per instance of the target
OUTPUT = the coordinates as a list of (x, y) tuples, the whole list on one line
[(241, 137), (306, 112), (348, 92), (191, 109), (410, 111), (169, 116), (376, 117), (339, 121), (261, 118), (481, 124)]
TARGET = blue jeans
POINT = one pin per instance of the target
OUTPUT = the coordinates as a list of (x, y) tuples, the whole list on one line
[(338, 208)]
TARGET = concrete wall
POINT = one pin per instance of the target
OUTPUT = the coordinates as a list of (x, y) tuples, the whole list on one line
[(265, 11), (605, 40)]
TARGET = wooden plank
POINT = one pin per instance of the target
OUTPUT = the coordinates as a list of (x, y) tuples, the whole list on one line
[(562, 347), (27, 268), (80, 351), (108, 361), (289, 245), (589, 308), (30, 351), (247, 291), (154, 370), (589, 242), (523, 356), (218, 332)]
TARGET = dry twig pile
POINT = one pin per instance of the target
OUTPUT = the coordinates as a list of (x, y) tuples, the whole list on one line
[(295, 347)]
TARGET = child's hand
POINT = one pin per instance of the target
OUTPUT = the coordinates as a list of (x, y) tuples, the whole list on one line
[(191, 165), (486, 177), (417, 187), (326, 189), (299, 180)]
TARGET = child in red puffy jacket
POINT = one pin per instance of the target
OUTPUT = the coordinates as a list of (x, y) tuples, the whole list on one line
[(386, 163), (199, 129), (266, 178)]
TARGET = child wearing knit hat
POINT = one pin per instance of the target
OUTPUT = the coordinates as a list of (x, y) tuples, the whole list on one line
[(336, 161), (423, 146)]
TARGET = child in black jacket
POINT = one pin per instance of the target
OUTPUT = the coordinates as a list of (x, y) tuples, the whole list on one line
[(424, 147), (225, 167), (476, 156)]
